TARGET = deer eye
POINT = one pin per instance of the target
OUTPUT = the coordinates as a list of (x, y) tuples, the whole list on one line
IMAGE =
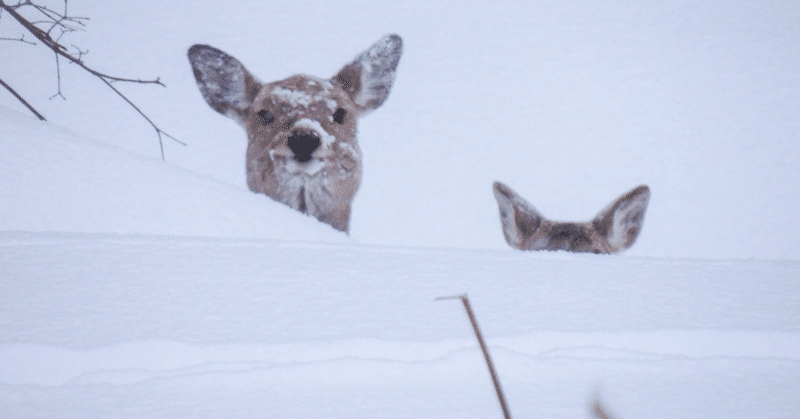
[(338, 116), (266, 117)]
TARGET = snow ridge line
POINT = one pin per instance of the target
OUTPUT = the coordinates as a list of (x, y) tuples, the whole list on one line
[(126, 361)]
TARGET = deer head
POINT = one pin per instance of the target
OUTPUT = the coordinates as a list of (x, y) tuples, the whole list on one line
[(302, 149), (614, 228)]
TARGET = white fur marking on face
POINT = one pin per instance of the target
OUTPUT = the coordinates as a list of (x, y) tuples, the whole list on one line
[(313, 124), (314, 166), (331, 105), (275, 152), (293, 97), (302, 98), (295, 168), (348, 147)]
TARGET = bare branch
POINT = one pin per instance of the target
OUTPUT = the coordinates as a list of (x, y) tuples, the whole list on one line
[(21, 99), (58, 78), (61, 50), (63, 22), (20, 39), (81, 52), (158, 130), (51, 16)]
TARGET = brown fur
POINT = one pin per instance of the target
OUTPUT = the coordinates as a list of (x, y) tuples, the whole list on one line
[(615, 228), (302, 148)]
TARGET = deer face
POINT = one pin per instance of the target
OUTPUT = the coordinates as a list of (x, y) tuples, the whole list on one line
[(302, 148), (615, 228)]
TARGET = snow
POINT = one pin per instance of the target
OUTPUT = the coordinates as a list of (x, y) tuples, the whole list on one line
[(295, 97), (54, 181), (132, 287), (313, 124), (109, 324)]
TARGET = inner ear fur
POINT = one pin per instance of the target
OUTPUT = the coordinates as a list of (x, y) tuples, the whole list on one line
[(621, 221), (519, 218), (368, 79), (224, 82)]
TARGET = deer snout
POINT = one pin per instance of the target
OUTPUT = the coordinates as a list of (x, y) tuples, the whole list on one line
[(303, 142)]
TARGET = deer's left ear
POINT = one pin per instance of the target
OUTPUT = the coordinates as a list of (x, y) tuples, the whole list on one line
[(368, 79), (621, 221), (223, 81), (519, 218)]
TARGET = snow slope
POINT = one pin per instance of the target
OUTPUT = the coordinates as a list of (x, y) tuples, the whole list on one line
[(52, 180), (133, 288)]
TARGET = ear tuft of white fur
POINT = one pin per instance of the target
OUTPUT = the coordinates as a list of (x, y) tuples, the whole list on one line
[(369, 78), (518, 217), (621, 221)]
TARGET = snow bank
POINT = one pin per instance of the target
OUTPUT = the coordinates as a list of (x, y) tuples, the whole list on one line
[(53, 180)]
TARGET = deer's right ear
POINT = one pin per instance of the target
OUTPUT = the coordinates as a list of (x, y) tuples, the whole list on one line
[(368, 79), (223, 81), (621, 221), (518, 217)]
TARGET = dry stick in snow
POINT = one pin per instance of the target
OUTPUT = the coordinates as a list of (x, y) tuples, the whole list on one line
[(599, 411), (597, 408), (57, 20), (486, 356)]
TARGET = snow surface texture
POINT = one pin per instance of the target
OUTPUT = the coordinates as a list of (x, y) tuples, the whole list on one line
[(131, 287), (108, 325)]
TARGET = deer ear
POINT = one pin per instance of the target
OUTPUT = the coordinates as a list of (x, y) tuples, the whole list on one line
[(368, 79), (223, 81), (621, 221), (518, 217)]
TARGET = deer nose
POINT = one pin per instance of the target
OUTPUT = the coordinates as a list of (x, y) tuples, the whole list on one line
[(303, 143)]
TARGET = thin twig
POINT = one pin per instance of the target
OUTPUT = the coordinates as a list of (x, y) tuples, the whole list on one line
[(59, 49), (464, 299), (21, 39), (57, 20), (24, 102), (599, 411), (58, 79), (158, 130)]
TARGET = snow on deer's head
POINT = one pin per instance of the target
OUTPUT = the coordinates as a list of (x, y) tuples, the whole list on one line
[(302, 148), (613, 229)]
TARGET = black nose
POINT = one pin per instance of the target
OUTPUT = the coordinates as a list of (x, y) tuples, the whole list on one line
[(303, 143)]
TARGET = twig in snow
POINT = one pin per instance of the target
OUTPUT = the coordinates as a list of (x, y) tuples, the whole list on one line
[(599, 411), (464, 299)]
